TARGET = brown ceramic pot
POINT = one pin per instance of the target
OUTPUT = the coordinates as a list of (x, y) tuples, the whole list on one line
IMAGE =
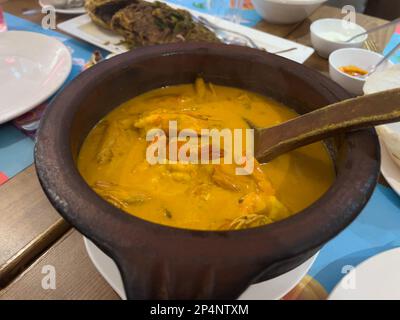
[(161, 262)]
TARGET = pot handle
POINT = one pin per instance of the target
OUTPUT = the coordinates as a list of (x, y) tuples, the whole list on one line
[(154, 279)]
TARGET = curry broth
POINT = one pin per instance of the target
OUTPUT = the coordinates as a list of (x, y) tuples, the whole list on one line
[(113, 162)]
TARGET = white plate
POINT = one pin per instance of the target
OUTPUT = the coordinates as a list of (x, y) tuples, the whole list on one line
[(83, 28), (268, 290), (79, 10), (389, 169), (377, 278), (384, 80), (32, 67), (389, 134)]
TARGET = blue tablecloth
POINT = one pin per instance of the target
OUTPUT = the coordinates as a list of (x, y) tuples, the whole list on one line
[(376, 229)]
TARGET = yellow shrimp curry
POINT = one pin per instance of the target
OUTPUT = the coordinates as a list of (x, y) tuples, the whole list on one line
[(113, 162)]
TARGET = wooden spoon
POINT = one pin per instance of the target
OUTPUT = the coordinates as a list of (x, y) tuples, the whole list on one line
[(347, 115)]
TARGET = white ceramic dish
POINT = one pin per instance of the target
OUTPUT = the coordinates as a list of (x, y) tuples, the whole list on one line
[(389, 133), (83, 28), (328, 35), (72, 11), (32, 67), (384, 80), (361, 58), (378, 278), (389, 169), (286, 11), (268, 290)]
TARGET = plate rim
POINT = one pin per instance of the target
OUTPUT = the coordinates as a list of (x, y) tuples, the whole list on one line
[(385, 161), (337, 288), (20, 111)]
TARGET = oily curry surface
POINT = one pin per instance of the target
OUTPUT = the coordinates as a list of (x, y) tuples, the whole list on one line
[(113, 162)]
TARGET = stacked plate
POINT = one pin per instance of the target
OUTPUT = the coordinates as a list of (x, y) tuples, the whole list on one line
[(389, 134)]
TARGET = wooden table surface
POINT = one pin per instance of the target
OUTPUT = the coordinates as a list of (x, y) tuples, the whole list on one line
[(33, 235)]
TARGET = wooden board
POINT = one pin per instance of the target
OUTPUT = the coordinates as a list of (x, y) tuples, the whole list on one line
[(28, 224), (75, 276)]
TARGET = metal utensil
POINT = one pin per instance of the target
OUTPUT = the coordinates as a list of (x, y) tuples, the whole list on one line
[(373, 68), (210, 25), (283, 51), (31, 12), (371, 46), (234, 37), (75, 3), (374, 29)]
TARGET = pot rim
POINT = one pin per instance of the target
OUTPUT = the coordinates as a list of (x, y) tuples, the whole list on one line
[(93, 216)]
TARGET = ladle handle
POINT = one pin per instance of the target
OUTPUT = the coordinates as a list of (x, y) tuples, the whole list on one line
[(347, 115)]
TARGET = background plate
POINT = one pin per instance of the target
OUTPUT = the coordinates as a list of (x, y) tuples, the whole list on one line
[(32, 67), (389, 169), (378, 278), (83, 28)]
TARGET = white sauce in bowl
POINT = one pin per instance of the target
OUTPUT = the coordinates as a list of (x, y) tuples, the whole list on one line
[(335, 36)]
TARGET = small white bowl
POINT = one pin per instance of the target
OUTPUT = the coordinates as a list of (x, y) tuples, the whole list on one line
[(328, 35), (361, 58), (286, 11)]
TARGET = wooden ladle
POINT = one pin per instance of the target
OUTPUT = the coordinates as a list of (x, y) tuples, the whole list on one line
[(348, 115)]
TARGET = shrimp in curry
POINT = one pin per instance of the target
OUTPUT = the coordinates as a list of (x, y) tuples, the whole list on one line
[(210, 196)]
